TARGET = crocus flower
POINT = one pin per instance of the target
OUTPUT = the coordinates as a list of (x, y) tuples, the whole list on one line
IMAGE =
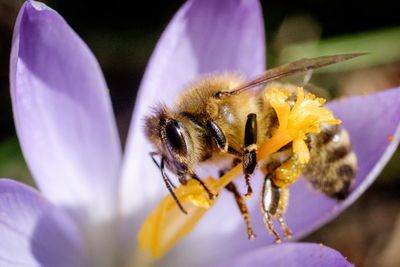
[(92, 200)]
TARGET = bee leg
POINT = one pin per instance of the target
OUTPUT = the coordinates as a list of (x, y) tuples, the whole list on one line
[(270, 227), (273, 204), (218, 135), (275, 194), (210, 194), (220, 140), (286, 230), (249, 156), (269, 205), (231, 187)]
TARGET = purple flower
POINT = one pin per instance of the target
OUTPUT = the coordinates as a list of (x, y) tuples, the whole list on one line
[(92, 202)]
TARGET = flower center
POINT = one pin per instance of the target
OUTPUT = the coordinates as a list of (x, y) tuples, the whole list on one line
[(166, 225)]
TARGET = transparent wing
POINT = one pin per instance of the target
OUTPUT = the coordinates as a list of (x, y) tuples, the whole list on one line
[(298, 66)]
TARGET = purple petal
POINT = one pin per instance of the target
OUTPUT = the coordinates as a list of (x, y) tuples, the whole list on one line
[(34, 232), (290, 255), (63, 113), (204, 36)]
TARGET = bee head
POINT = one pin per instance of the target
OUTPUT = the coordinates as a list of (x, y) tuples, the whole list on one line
[(172, 138)]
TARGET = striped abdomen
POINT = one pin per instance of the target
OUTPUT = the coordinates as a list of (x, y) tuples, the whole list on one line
[(333, 164)]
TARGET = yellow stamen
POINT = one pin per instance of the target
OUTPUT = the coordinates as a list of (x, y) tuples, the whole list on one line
[(166, 225), (294, 123), (300, 148)]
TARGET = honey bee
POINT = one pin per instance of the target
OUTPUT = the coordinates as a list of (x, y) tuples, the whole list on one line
[(220, 115)]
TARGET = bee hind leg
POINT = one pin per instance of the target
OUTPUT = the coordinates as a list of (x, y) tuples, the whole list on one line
[(275, 192), (286, 230), (273, 204), (270, 227)]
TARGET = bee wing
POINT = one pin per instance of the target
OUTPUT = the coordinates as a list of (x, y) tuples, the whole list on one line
[(298, 66)]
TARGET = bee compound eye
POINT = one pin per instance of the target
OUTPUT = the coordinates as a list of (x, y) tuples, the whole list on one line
[(174, 133)]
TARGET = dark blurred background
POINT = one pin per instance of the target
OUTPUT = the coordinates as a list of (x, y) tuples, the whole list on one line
[(122, 37)]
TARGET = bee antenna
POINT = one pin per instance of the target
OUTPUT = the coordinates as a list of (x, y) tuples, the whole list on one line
[(168, 185), (152, 154)]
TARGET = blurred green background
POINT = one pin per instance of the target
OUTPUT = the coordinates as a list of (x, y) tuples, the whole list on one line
[(122, 37)]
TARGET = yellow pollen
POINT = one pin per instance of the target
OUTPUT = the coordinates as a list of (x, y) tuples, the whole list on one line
[(167, 225), (288, 172)]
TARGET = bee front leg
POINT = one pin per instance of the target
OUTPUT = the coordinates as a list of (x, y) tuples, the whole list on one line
[(218, 135), (250, 149), (220, 140)]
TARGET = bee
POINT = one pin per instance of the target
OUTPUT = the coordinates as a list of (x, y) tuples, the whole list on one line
[(219, 117)]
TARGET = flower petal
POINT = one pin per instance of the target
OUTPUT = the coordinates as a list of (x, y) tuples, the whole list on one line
[(34, 232), (63, 113), (290, 255), (204, 36)]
